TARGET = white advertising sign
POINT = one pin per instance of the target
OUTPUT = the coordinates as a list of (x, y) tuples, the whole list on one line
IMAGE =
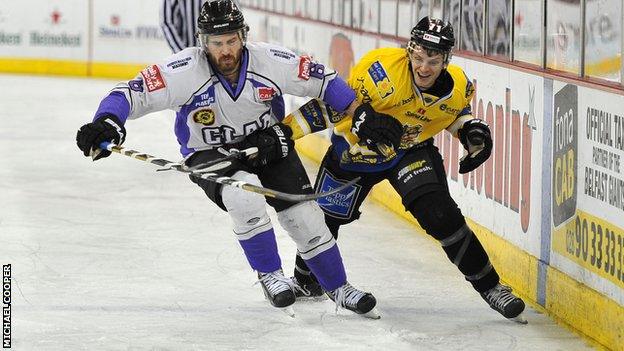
[(504, 194), (51, 29), (128, 32)]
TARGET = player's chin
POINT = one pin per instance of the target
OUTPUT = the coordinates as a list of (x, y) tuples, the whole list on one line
[(426, 82), (228, 67)]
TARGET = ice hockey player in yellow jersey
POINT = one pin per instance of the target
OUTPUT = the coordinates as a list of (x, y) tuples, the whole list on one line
[(406, 97)]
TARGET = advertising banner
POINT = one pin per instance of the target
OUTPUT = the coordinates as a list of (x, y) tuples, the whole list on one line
[(52, 29), (503, 194), (588, 187), (128, 32)]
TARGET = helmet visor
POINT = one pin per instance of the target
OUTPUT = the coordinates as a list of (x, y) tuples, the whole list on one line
[(207, 41)]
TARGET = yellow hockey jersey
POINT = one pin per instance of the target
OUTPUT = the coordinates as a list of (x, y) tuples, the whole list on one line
[(383, 78)]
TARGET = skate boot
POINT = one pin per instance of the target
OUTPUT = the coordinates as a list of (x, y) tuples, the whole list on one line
[(308, 289), (279, 290), (355, 300), (504, 302)]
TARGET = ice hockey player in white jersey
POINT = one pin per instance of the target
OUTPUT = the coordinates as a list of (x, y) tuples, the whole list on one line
[(228, 94)]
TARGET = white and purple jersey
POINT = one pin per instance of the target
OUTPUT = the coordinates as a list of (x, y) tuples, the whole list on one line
[(210, 111)]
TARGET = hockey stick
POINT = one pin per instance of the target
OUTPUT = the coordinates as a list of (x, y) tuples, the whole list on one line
[(214, 164), (213, 177)]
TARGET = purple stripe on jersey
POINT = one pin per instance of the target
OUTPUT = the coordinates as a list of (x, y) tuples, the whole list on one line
[(277, 103), (114, 104), (328, 268), (338, 94), (277, 107), (261, 252), (242, 75), (182, 133)]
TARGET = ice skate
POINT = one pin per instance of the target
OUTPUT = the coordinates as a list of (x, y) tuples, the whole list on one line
[(279, 290), (355, 300), (504, 302), (308, 290)]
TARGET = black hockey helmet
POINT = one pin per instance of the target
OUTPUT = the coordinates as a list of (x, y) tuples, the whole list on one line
[(221, 17), (433, 34)]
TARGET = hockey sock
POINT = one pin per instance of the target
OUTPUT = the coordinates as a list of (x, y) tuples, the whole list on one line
[(328, 268), (261, 252)]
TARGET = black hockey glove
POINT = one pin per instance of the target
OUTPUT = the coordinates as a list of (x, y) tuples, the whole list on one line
[(373, 127), (91, 135), (477, 140), (273, 143)]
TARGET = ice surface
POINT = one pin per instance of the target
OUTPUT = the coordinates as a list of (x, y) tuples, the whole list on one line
[(111, 255)]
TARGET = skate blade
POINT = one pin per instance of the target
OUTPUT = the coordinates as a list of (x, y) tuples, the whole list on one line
[(519, 319), (94, 153), (311, 298), (289, 310), (372, 314)]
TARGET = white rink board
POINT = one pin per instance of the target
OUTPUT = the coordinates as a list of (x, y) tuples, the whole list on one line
[(128, 32), (517, 94), (51, 29)]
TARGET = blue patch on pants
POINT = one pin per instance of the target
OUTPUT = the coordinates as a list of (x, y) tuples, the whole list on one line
[(340, 204)]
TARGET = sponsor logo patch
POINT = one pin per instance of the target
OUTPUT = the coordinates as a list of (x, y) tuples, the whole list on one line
[(304, 67), (380, 78), (312, 112), (204, 116), (153, 79), (265, 93), (450, 109), (340, 204), (431, 38), (177, 64), (282, 55)]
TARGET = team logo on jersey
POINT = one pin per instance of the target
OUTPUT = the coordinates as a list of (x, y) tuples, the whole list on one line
[(136, 85), (380, 78), (264, 94), (153, 79), (204, 116), (410, 135)]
